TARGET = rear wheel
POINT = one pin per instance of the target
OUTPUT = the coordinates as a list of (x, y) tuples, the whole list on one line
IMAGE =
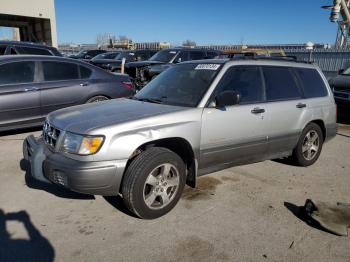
[(97, 99), (309, 146), (153, 183)]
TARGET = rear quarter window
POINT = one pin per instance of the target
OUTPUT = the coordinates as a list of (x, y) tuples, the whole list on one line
[(312, 83)]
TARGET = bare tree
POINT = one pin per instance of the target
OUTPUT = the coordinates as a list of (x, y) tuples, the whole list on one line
[(189, 43)]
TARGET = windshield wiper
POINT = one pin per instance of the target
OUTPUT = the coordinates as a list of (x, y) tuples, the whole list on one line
[(150, 100)]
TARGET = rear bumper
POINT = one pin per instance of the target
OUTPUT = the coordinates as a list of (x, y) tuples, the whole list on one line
[(93, 178)]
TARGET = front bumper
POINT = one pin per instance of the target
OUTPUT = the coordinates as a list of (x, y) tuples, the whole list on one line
[(93, 178)]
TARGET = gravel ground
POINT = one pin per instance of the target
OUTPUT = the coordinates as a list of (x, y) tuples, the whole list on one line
[(240, 214)]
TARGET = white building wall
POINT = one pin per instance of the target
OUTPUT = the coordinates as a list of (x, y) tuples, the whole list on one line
[(32, 8)]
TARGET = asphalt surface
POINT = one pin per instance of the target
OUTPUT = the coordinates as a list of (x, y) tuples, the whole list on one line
[(240, 214)]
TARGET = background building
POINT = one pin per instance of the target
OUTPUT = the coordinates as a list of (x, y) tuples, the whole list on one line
[(33, 20)]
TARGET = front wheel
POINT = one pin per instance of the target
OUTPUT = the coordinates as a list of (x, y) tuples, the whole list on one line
[(96, 99), (309, 146), (153, 183)]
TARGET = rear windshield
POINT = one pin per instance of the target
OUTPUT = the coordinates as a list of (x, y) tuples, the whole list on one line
[(181, 85)]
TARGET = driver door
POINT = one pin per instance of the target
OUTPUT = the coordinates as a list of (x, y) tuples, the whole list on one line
[(236, 134)]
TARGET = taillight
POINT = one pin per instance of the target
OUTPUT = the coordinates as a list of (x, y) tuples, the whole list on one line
[(128, 85)]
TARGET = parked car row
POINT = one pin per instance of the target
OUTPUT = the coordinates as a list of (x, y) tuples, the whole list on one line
[(341, 90), (113, 64), (33, 86)]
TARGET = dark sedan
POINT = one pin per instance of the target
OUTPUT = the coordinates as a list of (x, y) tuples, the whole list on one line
[(114, 64), (104, 60), (87, 54), (341, 89), (33, 86), (144, 71)]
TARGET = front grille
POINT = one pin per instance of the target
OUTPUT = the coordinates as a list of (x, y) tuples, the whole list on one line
[(50, 135)]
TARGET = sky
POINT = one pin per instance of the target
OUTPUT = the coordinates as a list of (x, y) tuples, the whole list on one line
[(203, 21)]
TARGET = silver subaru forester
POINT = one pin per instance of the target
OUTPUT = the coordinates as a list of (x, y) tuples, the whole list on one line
[(195, 118)]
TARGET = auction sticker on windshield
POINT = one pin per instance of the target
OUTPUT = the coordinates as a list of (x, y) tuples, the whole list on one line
[(207, 67)]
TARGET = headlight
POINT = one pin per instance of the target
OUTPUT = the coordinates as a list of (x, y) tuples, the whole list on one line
[(81, 145)]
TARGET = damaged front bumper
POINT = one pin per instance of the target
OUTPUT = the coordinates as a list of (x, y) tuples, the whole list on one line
[(87, 177), (33, 152)]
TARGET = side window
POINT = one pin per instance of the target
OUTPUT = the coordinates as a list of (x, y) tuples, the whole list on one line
[(85, 72), (13, 51), (181, 57), (141, 56), (55, 71), (211, 54), (35, 51), (246, 81), (17, 73), (312, 83), (280, 84), (2, 50), (197, 55)]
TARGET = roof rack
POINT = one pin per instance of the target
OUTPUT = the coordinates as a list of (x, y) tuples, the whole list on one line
[(271, 58)]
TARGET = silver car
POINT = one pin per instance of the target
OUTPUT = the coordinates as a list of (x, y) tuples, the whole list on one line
[(195, 118)]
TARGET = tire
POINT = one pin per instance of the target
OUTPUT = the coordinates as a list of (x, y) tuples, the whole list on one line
[(96, 99), (309, 146), (146, 191)]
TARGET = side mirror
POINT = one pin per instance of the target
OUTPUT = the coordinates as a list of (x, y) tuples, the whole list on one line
[(227, 98), (341, 71), (88, 57)]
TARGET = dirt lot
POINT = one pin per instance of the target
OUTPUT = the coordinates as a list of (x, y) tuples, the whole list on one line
[(238, 214)]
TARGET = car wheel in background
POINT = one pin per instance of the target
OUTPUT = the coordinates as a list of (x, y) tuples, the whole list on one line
[(309, 146), (153, 183), (97, 99)]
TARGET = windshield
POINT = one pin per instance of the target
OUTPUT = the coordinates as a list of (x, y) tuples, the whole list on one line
[(107, 56), (180, 85), (127, 55), (81, 54), (164, 56)]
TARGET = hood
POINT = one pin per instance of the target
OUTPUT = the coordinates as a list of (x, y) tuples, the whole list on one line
[(340, 82), (105, 61), (143, 63), (84, 118)]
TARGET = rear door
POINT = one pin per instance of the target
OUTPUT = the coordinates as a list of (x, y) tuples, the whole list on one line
[(19, 95), (63, 84), (287, 109)]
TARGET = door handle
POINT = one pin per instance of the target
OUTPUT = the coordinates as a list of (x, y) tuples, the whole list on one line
[(258, 110), (84, 84), (31, 89), (301, 105)]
